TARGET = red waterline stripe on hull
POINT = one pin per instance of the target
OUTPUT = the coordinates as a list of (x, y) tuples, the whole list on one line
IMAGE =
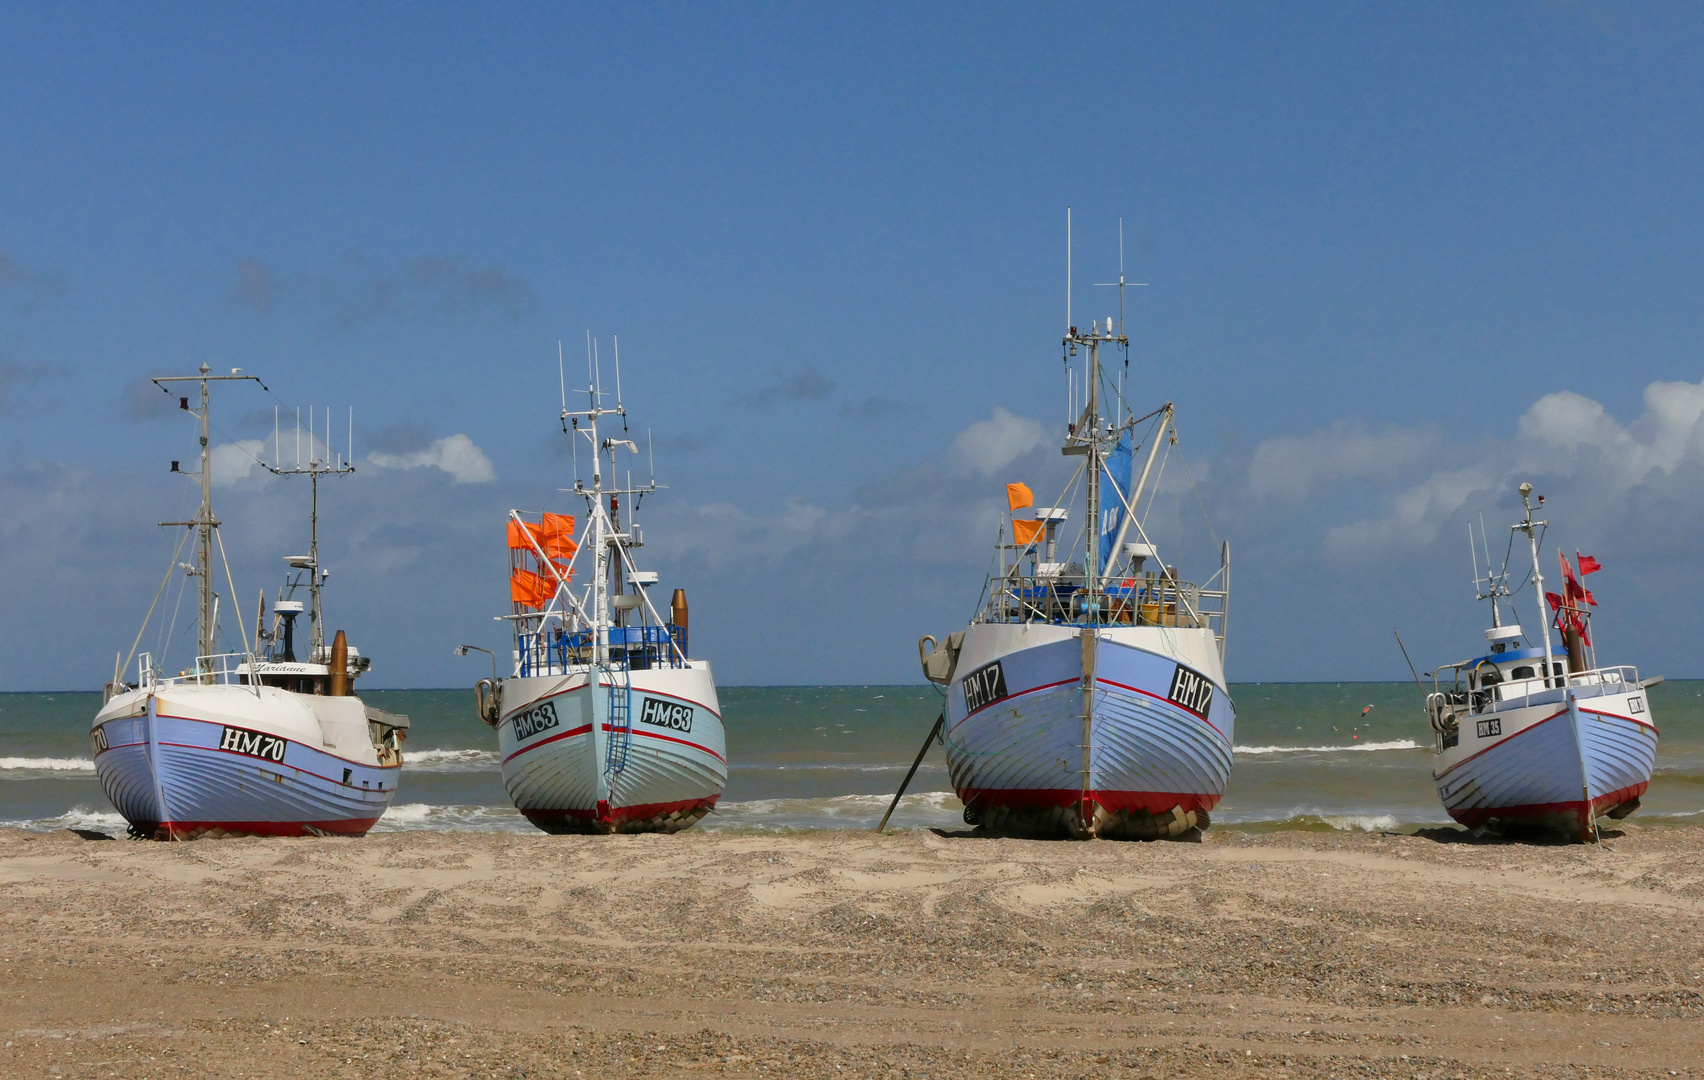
[(1154, 802), (1534, 726), (1019, 694), (570, 733), (284, 765), (1618, 716), (349, 827), (1479, 815), (1168, 701), (286, 738), (619, 814), (603, 686), (671, 738)]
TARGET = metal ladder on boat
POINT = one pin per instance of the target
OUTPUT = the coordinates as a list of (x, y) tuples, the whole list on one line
[(620, 744)]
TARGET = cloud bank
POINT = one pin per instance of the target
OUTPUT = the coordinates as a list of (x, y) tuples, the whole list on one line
[(1336, 534)]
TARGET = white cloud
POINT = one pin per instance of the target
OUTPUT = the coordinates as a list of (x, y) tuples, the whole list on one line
[(988, 446), (236, 461), (454, 454), (1660, 440), (1415, 516), (1294, 468), (1566, 440)]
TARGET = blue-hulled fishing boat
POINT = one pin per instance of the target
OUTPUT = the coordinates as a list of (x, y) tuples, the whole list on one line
[(1088, 696), (252, 740), (1527, 735)]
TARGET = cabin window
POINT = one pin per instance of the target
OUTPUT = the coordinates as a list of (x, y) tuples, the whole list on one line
[(1525, 671), (1556, 669)]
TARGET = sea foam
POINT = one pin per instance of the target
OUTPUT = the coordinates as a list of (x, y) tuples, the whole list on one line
[(48, 764), (1391, 744)]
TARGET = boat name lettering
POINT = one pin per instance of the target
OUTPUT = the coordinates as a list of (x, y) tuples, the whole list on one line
[(1489, 728), (536, 719), (252, 743), (669, 714), (984, 686), (1192, 690), (98, 741), (1635, 704)]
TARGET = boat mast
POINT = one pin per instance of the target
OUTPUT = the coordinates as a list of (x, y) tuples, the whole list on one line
[(1531, 527), (1087, 437), (204, 536), (599, 532), (604, 531), (204, 522)]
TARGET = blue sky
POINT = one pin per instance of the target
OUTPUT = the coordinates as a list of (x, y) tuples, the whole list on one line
[(1379, 242)]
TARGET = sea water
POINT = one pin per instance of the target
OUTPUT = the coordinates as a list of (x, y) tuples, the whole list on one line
[(1308, 755)]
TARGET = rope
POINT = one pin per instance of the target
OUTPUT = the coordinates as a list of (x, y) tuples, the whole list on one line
[(143, 629)]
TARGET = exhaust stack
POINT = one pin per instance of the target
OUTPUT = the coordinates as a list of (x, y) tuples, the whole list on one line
[(339, 666), (677, 615)]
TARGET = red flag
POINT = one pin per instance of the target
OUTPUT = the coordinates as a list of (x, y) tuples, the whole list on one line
[(1588, 565), (1567, 571), (1555, 601)]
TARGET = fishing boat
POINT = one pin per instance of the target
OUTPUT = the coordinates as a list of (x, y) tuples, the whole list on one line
[(1087, 696), (255, 740), (1529, 736), (604, 723)]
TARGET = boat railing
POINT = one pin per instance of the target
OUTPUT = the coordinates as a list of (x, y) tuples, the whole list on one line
[(1145, 600), (633, 648), (1446, 708), (219, 669)]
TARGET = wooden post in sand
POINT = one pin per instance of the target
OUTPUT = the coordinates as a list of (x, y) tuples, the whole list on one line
[(940, 722)]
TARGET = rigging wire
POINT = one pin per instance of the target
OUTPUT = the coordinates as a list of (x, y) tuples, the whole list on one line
[(1198, 501), (143, 629), (164, 642)]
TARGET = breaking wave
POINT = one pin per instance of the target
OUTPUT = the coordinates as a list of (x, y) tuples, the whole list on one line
[(1390, 744), (922, 810), (48, 764), (78, 817), (414, 817), (449, 760)]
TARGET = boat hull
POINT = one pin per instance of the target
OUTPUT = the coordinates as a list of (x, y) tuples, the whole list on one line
[(563, 762), (1546, 766), (1159, 729), (212, 761)]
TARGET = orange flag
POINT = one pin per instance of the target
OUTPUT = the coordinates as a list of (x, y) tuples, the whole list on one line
[(1018, 496), (1027, 532), (556, 536), (517, 536), (526, 587)]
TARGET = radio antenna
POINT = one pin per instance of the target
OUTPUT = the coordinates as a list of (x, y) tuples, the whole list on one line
[(618, 408), (562, 376)]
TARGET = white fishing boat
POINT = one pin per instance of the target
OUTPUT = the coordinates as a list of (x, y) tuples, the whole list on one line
[(1526, 735), (1087, 697), (253, 741), (604, 723)]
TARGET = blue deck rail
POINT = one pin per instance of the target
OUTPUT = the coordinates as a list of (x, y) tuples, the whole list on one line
[(635, 648)]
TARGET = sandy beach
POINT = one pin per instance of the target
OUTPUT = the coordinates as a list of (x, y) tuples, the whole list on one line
[(1285, 954)]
